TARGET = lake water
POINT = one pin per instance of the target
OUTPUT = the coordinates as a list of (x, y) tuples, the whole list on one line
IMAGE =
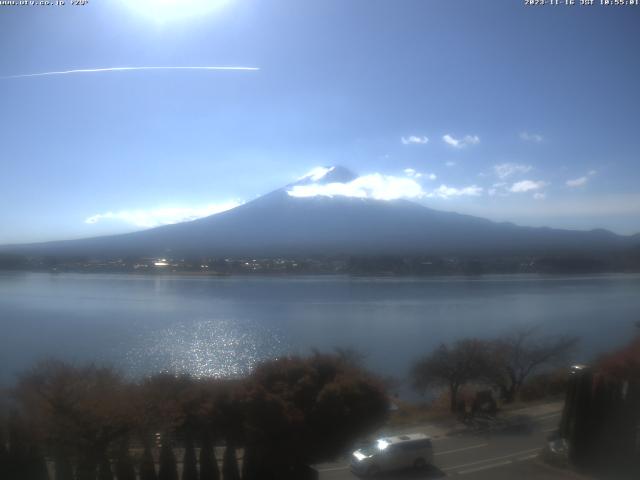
[(221, 326)]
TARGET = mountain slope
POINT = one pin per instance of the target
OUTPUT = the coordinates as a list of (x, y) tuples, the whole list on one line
[(277, 224)]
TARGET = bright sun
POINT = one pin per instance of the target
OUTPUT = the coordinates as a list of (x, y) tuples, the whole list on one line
[(167, 10)]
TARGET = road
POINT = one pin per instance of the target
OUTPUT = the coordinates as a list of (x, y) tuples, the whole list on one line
[(489, 455)]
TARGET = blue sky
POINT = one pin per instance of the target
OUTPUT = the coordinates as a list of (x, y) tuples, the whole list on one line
[(525, 114)]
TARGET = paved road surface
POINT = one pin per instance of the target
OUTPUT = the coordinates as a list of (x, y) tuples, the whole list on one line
[(493, 455)]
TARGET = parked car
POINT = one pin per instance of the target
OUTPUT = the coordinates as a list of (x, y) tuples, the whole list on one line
[(393, 453)]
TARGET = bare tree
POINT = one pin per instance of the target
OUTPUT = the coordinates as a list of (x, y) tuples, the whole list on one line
[(350, 356), (519, 354), (452, 367)]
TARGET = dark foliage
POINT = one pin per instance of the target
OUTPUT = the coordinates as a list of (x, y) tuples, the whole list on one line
[(147, 465), (623, 364), (250, 465), (309, 410), (208, 463), (104, 469), (13, 262), (124, 464), (62, 467), (230, 464), (75, 411), (18, 455), (551, 384), (36, 465), (168, 466), (4, 458), (165, 402), (288, 413), (87, 466), (571, 264), (189, 464)]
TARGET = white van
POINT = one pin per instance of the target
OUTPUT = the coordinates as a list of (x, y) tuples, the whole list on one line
[(393, 453)]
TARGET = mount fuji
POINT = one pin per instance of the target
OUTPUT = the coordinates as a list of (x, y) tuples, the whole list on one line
[(286, 222)]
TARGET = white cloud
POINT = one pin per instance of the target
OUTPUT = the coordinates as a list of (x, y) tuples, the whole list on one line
[(447, 192), (531, 137), (527, 185), (414, 140), (162, 216), (317, 173), (411, 172), (376, 186), (450, 164), (461, 142), (580, 181), (539, 196), (505, 170), (384, 187), (577, 182)]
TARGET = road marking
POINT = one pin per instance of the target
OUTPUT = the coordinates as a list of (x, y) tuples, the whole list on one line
[(333, 469), (472, 470), (446, 452), (481, 445), (461, 449), (514, 454), (528, 457), (485, 467)]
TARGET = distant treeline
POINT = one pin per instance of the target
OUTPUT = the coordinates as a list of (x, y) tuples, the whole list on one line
[(625, 261)]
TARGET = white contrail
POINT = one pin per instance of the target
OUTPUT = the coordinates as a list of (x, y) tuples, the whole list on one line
[(124, 69)]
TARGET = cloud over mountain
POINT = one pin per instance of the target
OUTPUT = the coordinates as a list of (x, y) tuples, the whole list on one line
[(375, 186), (443, 191), (338, 213), (155, 217)]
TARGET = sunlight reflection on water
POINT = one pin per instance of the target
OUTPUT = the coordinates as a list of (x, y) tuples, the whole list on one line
[(223, 326), (205, 347)]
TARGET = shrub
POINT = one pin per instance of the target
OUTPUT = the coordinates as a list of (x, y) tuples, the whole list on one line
[(545, 385)]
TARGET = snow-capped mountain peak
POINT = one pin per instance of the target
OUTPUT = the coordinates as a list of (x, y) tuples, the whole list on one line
[(327, 174)]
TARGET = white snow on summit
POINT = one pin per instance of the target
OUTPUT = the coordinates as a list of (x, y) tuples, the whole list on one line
[(317, 173)]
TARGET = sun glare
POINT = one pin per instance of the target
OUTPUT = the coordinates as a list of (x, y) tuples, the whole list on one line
[(168, 10)]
